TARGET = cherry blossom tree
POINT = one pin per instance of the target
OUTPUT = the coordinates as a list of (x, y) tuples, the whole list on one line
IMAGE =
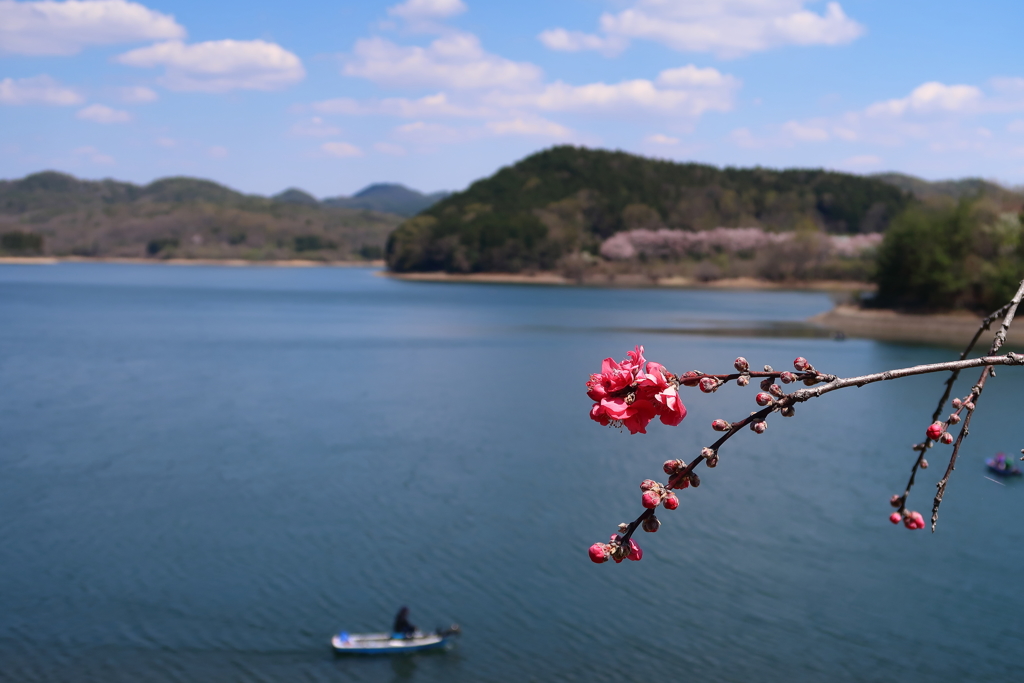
[(631, 393)]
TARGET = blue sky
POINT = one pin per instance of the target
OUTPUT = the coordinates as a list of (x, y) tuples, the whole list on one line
[(331, 96)]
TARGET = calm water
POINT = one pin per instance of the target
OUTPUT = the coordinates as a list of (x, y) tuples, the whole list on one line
[(204, 472)]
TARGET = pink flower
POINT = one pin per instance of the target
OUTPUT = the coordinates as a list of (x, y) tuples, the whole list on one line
[(635, 553), (599, 553), (634, 392)]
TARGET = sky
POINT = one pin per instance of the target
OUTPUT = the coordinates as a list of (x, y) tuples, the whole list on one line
[(332, 96)]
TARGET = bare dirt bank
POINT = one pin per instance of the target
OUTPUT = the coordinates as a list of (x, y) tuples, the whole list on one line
[(947, 329)]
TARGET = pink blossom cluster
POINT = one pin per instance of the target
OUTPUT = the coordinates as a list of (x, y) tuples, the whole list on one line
[(939, 430), (667, 243), (911, 520), (633, 392), (616, 549)]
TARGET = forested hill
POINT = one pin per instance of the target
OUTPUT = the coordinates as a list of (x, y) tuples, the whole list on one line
[(566, 199), (57, 214)]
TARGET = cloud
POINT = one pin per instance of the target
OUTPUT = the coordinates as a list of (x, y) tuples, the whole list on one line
[(217, 152), (726, 28), (430, 105), (314, 127), (574, 41), (1016, 126), (37, 90), (429, 134), (220, 65), (100, 113), (167, 142), (454, 61), (686, 91), (64, 28), (137, 94), (659, 139), (804, 132), (532, 127), (928, 98), (341, 149), (861, 161), (94, 155), (427, 9)]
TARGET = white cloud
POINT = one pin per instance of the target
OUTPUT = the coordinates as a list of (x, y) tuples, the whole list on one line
[(529, 127), (727, 28), (341, 149), (37, 90), (217, 152), (94, 155), (314, 127), (137, 94), (390, 148), (100, 113), (575, 41), (64, 28), (1016, 126), (660, 139), (928, 98), (804, 132), (220, 65), (430, 105), (429, 134), (453, 61), (427, 9)]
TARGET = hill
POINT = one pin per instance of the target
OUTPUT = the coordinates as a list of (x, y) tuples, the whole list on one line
[(568, 200), (58, 214), (965, 188), (389, 198)]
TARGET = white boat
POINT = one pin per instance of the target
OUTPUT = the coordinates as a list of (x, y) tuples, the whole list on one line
[(386, 643)]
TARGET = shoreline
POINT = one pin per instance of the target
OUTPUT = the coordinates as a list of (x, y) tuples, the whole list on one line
[(944, 329), (232, 263)]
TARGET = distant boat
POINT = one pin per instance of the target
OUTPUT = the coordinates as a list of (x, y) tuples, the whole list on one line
[(1002, 466), (385, 643)]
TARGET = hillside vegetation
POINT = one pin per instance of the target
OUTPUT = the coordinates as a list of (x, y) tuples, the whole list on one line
[(556, 207), (57, 214)]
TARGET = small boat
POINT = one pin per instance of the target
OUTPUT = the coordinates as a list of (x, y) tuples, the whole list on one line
[(387, 643), (1002, 466)]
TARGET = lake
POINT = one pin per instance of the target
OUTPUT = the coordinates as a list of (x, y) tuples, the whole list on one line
[(205, 472)]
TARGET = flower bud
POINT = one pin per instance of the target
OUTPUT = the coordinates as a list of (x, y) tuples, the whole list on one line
[(741, 364), (969, 405), (759, 426), (694, 480), (788, 411), (623, 527), (712, 462), (763, 399), (689, 379), (673, 466), (720, 426), (634, 553), (708, 384), (776, 391), (599, 553), (895, 500), (801, 364), (671, 501), (957, 403), (650, 499), (895, 518), (810, 381), (768, 368), (743, 380), (935, 430), (946, 438), (651, 524), (708, 452), (648, 484), (954, 419), (765, 383), (787, 377), (914, 520), (924, 464)]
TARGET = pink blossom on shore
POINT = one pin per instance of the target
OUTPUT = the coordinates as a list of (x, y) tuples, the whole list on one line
[(667, 243)]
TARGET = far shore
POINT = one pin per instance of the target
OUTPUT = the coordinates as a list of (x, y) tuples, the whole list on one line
[(285, 263), (945, 329)]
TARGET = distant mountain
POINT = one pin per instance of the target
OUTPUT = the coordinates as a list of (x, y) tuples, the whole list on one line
[(58, 214), (389, 198), (567, 200), (952, 189)]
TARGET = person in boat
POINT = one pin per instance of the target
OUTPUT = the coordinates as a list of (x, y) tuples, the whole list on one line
[(403, 628)]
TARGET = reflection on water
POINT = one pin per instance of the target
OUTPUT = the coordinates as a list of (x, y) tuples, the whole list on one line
[(204, 472)]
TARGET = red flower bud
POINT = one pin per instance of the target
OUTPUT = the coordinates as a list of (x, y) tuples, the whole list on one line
[(720, 426), (741, 364), (651, 524), (895, 518), (673, 466), (599, 553), (708, 384), (689, 379), (650, 499), (648, 484), (763, 399), (787, 377), (671, 501), (759, 426), (765, 383), (801, 364), (634, 553), (776, 391), (946, 438), (935, 430), (954, 419)]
